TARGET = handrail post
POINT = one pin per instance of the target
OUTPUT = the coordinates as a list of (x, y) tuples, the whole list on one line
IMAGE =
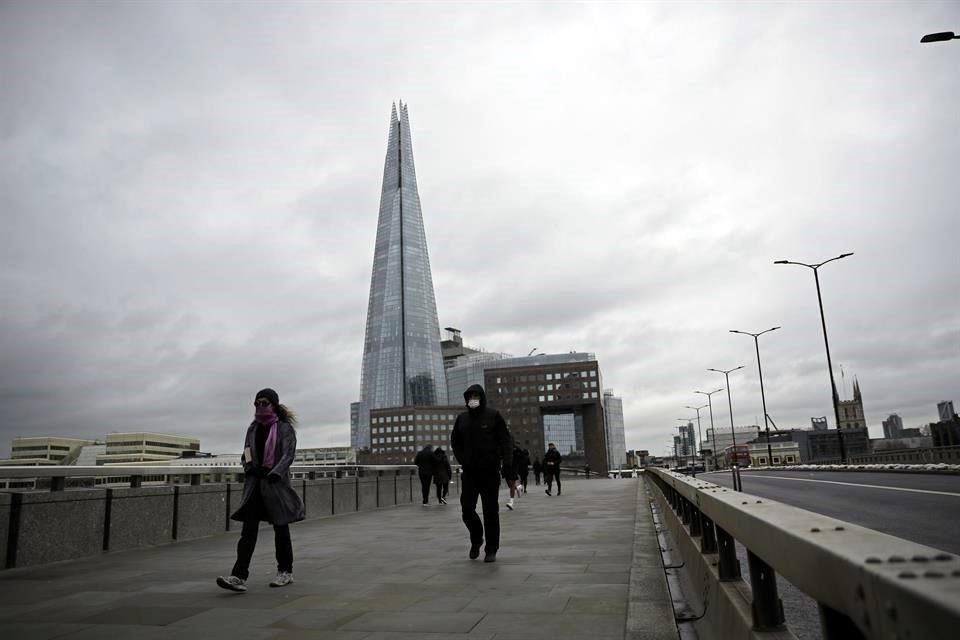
[(58, 483), (708, 541), (729, 565), (767, 608), (695, 530)]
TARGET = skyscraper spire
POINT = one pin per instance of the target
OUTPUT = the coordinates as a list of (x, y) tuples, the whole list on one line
[(402, 363)]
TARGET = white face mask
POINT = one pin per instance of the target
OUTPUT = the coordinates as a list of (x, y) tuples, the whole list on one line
[(473, 403)]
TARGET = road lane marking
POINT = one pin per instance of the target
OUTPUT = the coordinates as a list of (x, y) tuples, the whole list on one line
[(857, 484)]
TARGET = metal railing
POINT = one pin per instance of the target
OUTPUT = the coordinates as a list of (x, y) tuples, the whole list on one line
[(867, 584), (59, 478)]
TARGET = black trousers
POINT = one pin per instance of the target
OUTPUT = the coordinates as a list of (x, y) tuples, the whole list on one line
[(536, 477), (425, 480), (550, 476), (523, 480), (442, 489), (248, 540), (486, 486)]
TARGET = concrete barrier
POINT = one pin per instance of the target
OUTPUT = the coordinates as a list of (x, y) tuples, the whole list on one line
[(319, 498), (5, 501), (366, 493), (345, 495), (199, 510), (33, 531), (387, 490), (42, 534), (139, 518)]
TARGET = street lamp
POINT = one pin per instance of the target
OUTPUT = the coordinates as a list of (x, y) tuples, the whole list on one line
[(943, 36), (712, 429), (763, 398), (699, 434), (685, 433), (833, 385), (726, 374)]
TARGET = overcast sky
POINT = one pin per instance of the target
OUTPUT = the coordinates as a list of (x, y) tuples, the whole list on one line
[(189, 197)]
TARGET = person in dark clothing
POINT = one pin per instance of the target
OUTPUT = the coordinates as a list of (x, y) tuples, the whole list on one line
[(269, 450), (537, 469), (551, 468), (441, 474), (483, 445), (521, 462), (424, 462)]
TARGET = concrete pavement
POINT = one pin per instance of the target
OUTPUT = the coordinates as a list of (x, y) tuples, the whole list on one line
[(585, 564)]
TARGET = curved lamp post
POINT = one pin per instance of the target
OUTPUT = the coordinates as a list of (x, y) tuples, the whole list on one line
[(823, 322), (763, 397)]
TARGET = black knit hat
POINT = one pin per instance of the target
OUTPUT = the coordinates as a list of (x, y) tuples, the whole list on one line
[(268, 394)]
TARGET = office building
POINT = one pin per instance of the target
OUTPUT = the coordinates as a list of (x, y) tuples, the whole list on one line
[(526, 395), (893, 426), (616, 436), (398, 433), (402, 362), (32, 451), (143, 446), (470, 369), (717, 440), (945, 411)]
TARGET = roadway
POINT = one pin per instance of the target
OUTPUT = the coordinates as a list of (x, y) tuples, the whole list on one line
[(924, 508)]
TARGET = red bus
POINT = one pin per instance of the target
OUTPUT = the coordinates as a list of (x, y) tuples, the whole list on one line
[(738, 454)]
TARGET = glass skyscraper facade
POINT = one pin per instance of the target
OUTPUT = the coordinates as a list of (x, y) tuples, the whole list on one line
[(402, 361)]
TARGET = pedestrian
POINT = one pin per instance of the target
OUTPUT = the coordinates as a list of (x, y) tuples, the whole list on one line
[(441, 474), (537, 469), (424, 462), (514, 491), (268, 451), (551, 468), (482, 445), (521, 458)]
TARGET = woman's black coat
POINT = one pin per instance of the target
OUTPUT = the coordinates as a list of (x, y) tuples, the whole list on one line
[(281, 503)]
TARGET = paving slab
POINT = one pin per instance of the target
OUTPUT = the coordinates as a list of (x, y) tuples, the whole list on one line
[(568, 567)]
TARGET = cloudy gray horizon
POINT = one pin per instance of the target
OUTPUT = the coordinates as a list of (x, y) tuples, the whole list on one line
[(190, 192)]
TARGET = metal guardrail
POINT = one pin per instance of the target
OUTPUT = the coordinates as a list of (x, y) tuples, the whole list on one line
[(927, 455), (58, 475), (867, 584)]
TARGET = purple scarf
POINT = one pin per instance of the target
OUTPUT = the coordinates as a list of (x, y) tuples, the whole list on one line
[(267, 417)]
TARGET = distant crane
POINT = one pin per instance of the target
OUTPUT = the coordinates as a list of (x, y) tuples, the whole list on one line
[(531, 352)]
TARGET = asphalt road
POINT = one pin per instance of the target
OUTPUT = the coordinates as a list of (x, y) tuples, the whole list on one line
[(917, 507)]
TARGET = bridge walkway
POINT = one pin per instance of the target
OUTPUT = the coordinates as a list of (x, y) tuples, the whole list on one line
[(582, 565)]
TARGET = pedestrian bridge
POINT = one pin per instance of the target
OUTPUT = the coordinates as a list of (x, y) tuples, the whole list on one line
[(371, 563)]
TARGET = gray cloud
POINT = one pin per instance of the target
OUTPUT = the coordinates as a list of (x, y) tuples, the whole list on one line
[(189, 194)]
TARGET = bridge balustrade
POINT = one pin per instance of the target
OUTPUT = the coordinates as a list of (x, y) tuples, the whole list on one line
[(145, 505), (867, 584)]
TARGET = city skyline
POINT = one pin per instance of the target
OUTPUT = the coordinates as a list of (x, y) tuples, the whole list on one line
[(189, 203)]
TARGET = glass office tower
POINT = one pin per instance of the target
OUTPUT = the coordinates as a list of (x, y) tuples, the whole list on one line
[(402, 362)]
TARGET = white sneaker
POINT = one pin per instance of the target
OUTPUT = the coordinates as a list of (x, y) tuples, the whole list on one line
[(233, 583), (510, 504), (283, 579)]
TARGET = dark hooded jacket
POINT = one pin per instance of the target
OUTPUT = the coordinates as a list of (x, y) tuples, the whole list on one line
[(424, 461), (441, 467), (481, 440), (282, 503)]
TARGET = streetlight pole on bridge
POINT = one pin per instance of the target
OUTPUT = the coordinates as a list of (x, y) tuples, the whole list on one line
[(823, 322), (733, 434), (699, 433), (713, 430), (763, 397)]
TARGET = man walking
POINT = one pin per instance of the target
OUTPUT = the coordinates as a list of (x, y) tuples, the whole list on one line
[(482, 445), (424, 462), (551, 468)]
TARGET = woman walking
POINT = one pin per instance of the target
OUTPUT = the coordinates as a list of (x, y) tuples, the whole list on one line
[(268, 452)]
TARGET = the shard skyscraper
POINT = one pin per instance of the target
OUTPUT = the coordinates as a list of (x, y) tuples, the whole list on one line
[(402, 363)]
